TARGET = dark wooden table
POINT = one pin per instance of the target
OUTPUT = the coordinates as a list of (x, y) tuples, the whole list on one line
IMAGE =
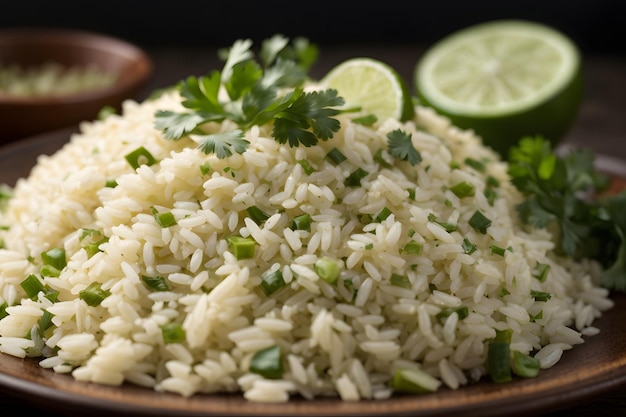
[(601, 127)]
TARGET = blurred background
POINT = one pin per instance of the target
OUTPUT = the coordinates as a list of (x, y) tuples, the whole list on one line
[(183, 36), (596, 25)]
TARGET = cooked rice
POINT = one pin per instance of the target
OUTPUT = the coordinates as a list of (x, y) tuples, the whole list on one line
[(345, 340)]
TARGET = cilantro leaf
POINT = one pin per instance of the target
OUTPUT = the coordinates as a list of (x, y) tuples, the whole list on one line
[(401, 147), (258, 93), (222, 144), (556, 190)]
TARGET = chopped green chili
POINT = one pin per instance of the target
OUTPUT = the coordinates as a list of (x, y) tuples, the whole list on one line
[(267, 363), (461, 311), (156, 283), (476, 164), (525, 365), (413, 248), (400, 281), (165, 219), (381, 215), (140, 156), (542, 271), (355, 177), (257, 215), (93, 295), (540, 295), (306, 166), (32, 286), (301, 222), (55, 258), (242, 247), (173, 333), (327, 269), (479, 222), (448, 227), (336, 156), (499, 357), (272, 281), (463, 189), (468, 247), (414, 381)]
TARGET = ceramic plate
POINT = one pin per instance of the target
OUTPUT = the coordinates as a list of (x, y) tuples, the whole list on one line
[(595, 367)]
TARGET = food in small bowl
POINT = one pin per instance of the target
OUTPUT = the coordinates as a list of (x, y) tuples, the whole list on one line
[(51, 78)]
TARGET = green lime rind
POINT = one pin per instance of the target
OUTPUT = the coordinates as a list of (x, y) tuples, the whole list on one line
[(548, 108), (504, 131)]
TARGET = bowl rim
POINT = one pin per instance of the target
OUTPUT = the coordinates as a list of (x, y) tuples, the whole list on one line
[(81, 38)]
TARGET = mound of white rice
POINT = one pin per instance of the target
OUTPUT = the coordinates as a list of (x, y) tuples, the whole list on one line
[(345, 339)]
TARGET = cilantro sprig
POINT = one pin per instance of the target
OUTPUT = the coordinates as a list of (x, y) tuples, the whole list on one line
[(557, 192), (248, 92)]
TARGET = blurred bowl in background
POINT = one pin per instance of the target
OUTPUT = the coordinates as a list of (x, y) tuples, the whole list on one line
[(52, 78)]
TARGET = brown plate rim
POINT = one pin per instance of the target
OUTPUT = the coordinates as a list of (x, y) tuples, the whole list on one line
[(588, 370)]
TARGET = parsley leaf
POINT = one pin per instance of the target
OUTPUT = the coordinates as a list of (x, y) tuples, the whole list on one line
[(401, 147), (269, 91)]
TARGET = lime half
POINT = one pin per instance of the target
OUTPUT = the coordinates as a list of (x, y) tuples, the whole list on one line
[(504, 79), (372, 85)]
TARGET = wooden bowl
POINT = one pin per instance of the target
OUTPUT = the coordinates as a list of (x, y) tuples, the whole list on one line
[(30, 48)]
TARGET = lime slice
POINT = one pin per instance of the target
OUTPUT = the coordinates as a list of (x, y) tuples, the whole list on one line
[(504, 79), (372, 85)]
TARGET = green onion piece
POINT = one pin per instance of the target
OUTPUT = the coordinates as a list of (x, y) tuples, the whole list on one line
[(378, 157), (3, 310), (463, 189), (267, 363), (540, 295), (110, 183), (492, 181), (448, 227), (45, 321), (504, 291), (93, 248), (272, 281), (156, 283), (413, 248), (257, 215), (93, 295), (52, 295), (173, 333), (400, 281), (140, 156), (381, 215), (367, 120), (105, 111), (536, 317), (491, 196), (241, 247), (411, 192), (525, 365), (355, 177), (468, 247), (414, 381), (477, 165), (32, 286), (461, 311), (497, 250), (499, 357), (454, 165), (327, 269), (369, 246), (165, 219), (479, 222), (336, 156), (205, 168), (49, 271), (54, 257), (542, 271), (306, 166), (301, 222)]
